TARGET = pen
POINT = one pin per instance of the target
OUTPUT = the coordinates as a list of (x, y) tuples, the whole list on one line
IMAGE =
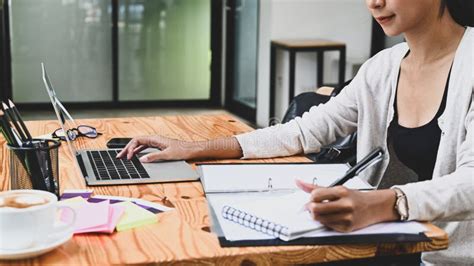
[(16, 138), (9, 115), (17, 115), (374, 157), (12, 136)]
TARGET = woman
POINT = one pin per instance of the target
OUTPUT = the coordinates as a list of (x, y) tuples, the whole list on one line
[(419, 96)]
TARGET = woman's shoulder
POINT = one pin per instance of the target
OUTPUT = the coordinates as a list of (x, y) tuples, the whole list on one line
[(464, 57), (470, 33), (384, 63), (391, 55), (467, 43)]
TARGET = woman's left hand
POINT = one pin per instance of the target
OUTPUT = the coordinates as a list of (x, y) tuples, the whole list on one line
[(346, 210)]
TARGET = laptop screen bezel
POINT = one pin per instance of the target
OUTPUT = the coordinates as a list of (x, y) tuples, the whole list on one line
[(59, 109)]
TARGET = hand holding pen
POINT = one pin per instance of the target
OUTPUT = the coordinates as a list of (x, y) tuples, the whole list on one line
[(344, 209)]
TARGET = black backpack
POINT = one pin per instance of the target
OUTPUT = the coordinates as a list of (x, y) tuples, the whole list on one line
[(344, 149)]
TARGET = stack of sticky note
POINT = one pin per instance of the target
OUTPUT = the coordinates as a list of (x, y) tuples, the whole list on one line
[(104, 214), (93, 217)]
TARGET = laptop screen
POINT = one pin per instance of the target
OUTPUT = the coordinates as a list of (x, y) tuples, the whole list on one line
[(65, 119)]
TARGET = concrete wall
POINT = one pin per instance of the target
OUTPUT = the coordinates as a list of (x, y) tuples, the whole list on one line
[(347, 21)]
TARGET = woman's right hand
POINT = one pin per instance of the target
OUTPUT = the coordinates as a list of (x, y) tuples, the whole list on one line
[(170, 149)]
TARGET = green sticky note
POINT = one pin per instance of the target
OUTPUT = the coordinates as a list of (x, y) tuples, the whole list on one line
[(134, 216)]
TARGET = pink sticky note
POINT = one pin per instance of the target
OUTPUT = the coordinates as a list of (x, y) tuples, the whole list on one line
[(115, 212), (91, 215)]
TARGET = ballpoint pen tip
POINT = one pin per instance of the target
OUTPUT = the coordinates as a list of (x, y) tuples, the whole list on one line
[(5, 107), (11, 103)]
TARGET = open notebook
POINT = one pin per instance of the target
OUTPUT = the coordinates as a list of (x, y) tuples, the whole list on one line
[(258, 202), (234, 183), (227, 178), (258, 217)]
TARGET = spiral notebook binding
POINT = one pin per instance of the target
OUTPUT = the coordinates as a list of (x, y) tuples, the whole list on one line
[(255, 223)]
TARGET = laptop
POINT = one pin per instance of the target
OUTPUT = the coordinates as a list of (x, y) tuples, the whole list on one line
[(99, 167)]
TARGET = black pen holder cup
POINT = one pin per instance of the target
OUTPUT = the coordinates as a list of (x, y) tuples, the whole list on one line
[(35, 165)]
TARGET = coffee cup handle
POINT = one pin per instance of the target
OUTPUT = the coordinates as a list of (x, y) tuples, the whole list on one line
[(62, 228)]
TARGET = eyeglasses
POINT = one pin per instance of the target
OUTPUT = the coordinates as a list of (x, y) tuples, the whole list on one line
[(74, 133)]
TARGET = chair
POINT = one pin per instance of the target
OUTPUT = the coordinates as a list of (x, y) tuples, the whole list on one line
[(344, 149)]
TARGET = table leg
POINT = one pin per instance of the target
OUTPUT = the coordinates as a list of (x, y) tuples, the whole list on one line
[(320, 68), (272, 80), (292, 75), (342, 65)]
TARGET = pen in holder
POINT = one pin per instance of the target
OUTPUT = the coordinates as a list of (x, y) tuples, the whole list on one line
[(35, 165)]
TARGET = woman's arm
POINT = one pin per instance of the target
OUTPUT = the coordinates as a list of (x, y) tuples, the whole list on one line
[(320, 126), (172, 149), (323, 124)]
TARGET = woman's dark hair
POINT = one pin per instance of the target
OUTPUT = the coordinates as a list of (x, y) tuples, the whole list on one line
[(462, 11)]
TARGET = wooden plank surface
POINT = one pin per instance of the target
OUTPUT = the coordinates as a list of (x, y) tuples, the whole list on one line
[(180, 236)]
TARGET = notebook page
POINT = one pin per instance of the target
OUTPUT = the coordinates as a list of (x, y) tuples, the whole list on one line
[(255, 177), (234, 231), (287, 211)]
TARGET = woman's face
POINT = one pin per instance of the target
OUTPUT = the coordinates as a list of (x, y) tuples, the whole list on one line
[(399, 16)]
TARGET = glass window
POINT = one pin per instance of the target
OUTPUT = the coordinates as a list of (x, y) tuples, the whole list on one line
[(164, 49), (73, 39), (245, 63)]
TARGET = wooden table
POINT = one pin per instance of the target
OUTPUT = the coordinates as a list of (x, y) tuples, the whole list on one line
[(304, 45), (181, 235)]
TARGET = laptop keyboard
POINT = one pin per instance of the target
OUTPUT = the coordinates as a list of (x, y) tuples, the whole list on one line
[(107, 167)]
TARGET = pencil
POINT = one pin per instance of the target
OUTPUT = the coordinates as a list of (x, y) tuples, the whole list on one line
[(20, 120), (16, 138), (9, 116), (12, 141), (28, 159)]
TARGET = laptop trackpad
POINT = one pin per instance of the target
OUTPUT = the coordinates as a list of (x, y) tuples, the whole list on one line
[(170, 170), (148, 150)]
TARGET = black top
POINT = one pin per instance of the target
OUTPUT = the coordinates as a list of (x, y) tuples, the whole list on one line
[(417, 148)]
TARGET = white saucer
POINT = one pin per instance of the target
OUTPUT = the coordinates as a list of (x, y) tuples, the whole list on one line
[(49, 244)]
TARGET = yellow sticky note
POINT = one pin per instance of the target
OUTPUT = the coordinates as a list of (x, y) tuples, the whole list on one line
[(73, 201), (134, 216)]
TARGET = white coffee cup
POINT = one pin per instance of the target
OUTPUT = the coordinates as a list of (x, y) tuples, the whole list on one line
[(24, 227)]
